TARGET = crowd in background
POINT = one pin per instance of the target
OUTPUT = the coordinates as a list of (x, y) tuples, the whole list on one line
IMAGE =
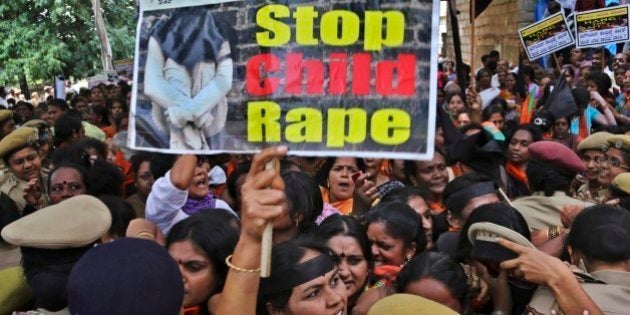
[(523, 208)]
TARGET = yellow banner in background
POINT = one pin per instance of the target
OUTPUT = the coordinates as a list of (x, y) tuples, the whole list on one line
[(545, 23), (601, 14)]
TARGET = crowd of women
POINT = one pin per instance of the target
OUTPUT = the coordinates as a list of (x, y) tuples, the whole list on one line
[(523, 208)]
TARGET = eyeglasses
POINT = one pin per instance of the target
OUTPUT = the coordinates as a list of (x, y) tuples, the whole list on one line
[(618, 164), (619, 59)]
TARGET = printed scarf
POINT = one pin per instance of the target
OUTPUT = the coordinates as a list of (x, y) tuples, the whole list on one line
[(193, 206)]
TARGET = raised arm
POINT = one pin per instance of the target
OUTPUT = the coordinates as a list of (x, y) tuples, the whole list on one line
[(608, 118), (169, 193), (183, 171), (263, 199)]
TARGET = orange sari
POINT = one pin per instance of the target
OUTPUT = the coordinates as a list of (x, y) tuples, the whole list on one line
[(344, 206)]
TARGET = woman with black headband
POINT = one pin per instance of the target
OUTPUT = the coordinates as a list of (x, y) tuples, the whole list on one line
[(346, 238), (304, 278), (462, 196)]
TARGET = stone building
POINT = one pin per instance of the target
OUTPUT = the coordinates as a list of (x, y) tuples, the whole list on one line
[(495, 28)]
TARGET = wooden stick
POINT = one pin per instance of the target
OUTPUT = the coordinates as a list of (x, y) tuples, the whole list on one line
[(473, 9), (557, 63), (509, 202), (602, 58), (267, 238)]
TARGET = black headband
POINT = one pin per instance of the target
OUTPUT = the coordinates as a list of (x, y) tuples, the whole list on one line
[(458, 200), (282, 280)]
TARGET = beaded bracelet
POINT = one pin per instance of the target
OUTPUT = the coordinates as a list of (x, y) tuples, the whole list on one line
[(228, 262)]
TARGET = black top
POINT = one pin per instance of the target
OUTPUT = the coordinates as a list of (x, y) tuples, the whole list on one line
[(189, 36)]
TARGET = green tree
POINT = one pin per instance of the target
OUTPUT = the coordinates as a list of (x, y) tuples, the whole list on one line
[(42, 38)]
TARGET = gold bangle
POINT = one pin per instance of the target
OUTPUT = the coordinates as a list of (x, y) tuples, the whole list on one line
[(146, 234), (553, 232), (228, 262)]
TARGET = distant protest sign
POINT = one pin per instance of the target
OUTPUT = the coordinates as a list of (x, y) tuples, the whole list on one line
[(325, 78), (603, 26), (124, 68), (546, 36)]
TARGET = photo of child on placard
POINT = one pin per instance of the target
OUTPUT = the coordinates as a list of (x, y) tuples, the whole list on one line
[(187, 76)]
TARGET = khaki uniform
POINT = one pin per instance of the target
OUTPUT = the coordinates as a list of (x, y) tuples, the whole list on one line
[(76, 222), (612, 296), (14, 291), (10, 256), (542, 212), (14, 188), (599, 196)]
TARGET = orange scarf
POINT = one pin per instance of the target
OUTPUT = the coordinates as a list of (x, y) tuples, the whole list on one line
[(110, 131), (517, 173), (387, 274), (527, 110), (436, 207), (344, 206), (125, 167)]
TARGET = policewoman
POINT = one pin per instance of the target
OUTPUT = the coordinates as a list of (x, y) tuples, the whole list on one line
[(20, 153)]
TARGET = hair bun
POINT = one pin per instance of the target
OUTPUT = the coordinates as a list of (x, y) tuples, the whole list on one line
[(611, 243)]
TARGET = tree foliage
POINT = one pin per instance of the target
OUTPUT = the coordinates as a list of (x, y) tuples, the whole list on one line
[(44, 38)]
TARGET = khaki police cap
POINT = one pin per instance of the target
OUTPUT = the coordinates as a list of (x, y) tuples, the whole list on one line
[(621, 142), (622, 182), (489, 232), (409, 304), (5, 114), (597, 141), (18, 138), (75, 222), (35, 123)]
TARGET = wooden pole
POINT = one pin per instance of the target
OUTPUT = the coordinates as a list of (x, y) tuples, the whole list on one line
[(459, 61), (473, 41), (267, 238), (557, 63)]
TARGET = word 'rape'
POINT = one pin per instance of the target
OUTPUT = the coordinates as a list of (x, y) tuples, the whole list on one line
[(353, 77)]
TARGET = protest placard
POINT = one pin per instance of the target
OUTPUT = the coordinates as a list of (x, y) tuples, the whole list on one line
[(324, 78), (101, 78), (124, 68), (603, 26), (546, 36)]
